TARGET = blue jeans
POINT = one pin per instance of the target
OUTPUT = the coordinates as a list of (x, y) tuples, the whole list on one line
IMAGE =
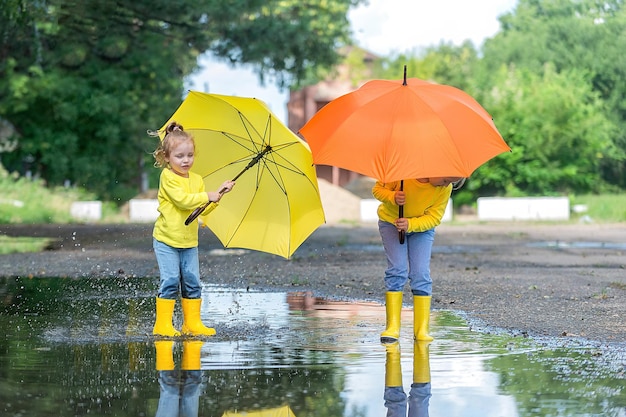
[(180, 393), (418, 402), (409, 261), (178, 269)]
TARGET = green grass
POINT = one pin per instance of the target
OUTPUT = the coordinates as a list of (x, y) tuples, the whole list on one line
[(605, 208), (28, 201), (22, 244)]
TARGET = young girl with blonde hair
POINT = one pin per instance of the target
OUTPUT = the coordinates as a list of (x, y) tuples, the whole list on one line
[(176, 244)]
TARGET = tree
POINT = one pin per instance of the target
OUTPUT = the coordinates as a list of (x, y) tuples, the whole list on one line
[(557, 128), (82, 80), (581, 35)]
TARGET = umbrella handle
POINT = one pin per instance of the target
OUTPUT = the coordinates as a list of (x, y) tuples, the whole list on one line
[(194, 214), (198, 211), (401, 233)]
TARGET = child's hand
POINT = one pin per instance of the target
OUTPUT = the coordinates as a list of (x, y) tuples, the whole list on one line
[(400, 198), (224, 188), (402, 224), (227, 186)]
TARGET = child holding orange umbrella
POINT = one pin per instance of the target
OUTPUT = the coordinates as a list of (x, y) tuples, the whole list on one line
[(424, 202)]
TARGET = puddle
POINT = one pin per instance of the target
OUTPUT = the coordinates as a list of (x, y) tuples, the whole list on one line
[(83, 347), (557, 244), (436, 249)]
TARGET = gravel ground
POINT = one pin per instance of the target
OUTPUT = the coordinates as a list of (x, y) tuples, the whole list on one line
[(562, 283)]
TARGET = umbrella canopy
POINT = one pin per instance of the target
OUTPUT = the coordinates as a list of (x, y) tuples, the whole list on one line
[(276, 203), (394, 130)]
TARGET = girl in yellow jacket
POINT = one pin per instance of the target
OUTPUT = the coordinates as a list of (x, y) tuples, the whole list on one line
[(175, 244), (424, 202)]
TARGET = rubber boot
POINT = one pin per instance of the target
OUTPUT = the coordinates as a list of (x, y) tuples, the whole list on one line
[(393, 370), (394, 395), (164, 355), (163, 324), (393, 308), (192, 324), (420, 393), (421, 362), (421, 317), (191, 355)]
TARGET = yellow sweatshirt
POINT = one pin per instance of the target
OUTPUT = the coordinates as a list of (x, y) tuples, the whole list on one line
[(424, 207), (178, 197)]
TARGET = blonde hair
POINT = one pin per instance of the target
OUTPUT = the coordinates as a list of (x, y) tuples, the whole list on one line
[(174, 135)]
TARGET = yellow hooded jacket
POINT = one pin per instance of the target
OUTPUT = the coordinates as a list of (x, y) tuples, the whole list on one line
[(424, 207)]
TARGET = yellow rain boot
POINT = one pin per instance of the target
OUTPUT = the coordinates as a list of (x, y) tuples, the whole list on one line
[(163, 324), (421, 317), (192, 324), (393, 307), (393, 370), (164, 355), (191, 355), (421, 362)]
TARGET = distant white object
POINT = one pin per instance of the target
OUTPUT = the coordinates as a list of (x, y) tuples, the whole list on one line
[(86, 210), (579, 208), (143, 210), (447, 215), (523, 208), (369, 206)]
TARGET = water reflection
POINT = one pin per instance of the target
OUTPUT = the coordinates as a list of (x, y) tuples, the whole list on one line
[(84, 347), (179, 389), (418, 400)]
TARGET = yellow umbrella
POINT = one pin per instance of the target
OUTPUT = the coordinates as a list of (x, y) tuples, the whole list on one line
[(276, 204), (283, 411)]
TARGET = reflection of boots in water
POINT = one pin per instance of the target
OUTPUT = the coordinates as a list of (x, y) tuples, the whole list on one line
[(192, 324), (421, 317), (164, 355), (191, 355), (393, 310), (395, 397), (108, 312), (191, 378), (133, 328), (420, 393), (179, 389)]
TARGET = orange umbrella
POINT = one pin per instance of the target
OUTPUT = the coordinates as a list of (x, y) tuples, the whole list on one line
[(393, 130)]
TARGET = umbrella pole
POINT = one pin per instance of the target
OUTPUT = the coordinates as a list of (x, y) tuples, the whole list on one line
[(401, 208), (194, 214), (401, 214)]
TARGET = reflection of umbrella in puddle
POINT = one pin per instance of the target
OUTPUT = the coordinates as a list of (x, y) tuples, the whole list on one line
[(284, 411), (276, 204), (410, 128)]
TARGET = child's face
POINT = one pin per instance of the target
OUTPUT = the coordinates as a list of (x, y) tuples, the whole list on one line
[(181, 158)]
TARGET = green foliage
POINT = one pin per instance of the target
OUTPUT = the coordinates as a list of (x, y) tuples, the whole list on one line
[(603, 208), (445, 64), (28, 201), (557, 129), (82, 81), (22, 244), (566, 36)]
